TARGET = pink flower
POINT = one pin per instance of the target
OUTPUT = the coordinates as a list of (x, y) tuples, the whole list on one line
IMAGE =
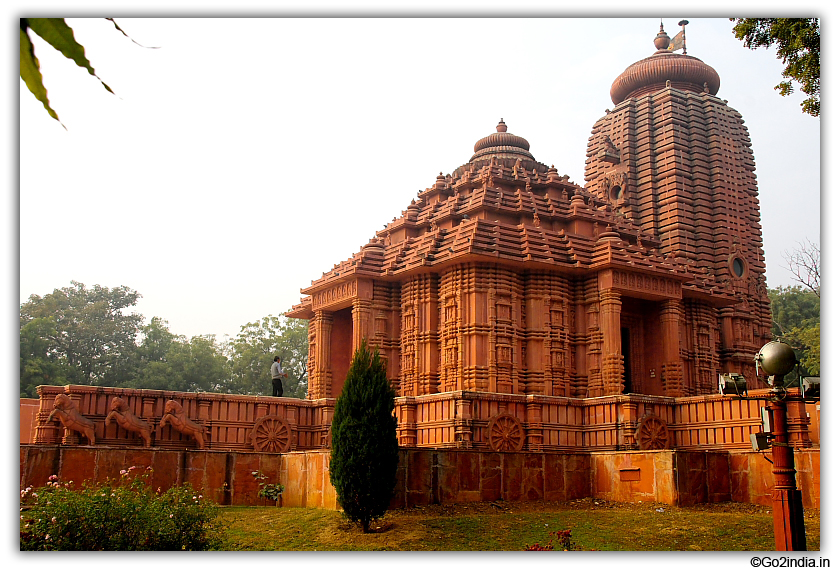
[(54, 519)]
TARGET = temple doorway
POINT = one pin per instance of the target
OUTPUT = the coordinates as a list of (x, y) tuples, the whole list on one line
[(341, 348)]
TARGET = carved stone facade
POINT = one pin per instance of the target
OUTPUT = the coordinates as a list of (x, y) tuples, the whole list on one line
[(504, 277)]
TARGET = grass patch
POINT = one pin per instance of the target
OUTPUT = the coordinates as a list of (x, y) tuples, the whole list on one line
[(598, 525)]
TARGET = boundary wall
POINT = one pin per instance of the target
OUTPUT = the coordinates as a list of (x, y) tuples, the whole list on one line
[(460, 420), (426, 476)]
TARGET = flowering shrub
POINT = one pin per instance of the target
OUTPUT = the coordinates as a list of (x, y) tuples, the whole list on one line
[(564, 538), (121, 515)]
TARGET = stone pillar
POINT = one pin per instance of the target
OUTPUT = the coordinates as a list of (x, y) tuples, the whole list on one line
[(320, 379), (612, 363), (727, 340), (629, 417), (262, 407), (148, 412), (669, 318), (362, 319), (204, 410), (463, 422), (407, 421), (534, 425), (47, 432)]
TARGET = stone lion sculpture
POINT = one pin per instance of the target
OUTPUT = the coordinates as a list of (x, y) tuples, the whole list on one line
[(126, 419), (174, 414), (66, 411)]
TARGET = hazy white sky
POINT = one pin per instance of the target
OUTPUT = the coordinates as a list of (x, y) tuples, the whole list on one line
[(245, 157)]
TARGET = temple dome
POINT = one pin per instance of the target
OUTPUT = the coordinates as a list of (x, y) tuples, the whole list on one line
[(651, 74), (502, 144)]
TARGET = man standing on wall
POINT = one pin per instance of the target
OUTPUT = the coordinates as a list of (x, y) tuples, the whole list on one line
[(277, 375)]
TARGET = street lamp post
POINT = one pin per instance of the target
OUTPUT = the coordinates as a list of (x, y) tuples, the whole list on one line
[(788, 515), (776, 359)]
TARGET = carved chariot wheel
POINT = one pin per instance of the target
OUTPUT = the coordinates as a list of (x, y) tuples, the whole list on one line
[(652, 433), (272, 434), (505, 433)]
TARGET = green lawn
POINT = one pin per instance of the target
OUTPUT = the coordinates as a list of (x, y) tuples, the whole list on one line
[(595, 525)]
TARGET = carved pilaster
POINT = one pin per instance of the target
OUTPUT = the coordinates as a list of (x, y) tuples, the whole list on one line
[(362, 320), (534, 425), (407, 424), (669, 318), (612, 363), (320, 380), (629, 418), (463, 423)]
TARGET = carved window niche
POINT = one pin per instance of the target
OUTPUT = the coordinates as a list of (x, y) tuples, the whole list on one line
[(381, 324), (503, 310), (557, 315), (703, 337), (450, 356), (558, 359), (408, 362), (504, 354), (450, 313), (408, 318)]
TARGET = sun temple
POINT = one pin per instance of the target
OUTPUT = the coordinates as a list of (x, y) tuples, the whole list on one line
[(504, 277), (544, 339)]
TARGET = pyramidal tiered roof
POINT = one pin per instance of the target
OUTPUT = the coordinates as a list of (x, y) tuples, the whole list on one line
[(505, 207)]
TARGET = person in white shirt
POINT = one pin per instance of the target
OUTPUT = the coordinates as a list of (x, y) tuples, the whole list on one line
[(277, 376)]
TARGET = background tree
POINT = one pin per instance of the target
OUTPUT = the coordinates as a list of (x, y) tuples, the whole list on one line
[(81, 335), (89, 331), (797, 43), (796, 321), (254, 348), (365, 453), (39, 364), (171, 362), (804, 265)]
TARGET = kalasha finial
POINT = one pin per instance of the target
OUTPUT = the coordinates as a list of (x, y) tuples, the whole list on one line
[(662, 40), (501, 127)]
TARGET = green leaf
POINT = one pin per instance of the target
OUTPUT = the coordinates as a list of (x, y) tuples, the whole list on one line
[(59, 35), (30, 71)]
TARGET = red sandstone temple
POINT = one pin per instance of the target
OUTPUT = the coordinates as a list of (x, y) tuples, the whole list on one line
[(545, 340), (506, 278)]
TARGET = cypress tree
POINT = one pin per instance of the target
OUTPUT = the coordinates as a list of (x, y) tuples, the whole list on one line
[(363, 461)]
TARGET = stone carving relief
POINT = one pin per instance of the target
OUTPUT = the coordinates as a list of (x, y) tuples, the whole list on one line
[(126, 419), (652, 433), (335, 294), (273, 434), (505, 433), (66, 411), (175, 415), (647, 283)]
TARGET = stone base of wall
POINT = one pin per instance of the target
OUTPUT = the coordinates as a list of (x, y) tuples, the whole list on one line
[(426, 476)]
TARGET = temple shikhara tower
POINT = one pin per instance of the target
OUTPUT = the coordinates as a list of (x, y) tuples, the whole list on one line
[(504, 277)]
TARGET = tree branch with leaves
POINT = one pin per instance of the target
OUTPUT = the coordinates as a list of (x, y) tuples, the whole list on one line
[(797, 43)]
